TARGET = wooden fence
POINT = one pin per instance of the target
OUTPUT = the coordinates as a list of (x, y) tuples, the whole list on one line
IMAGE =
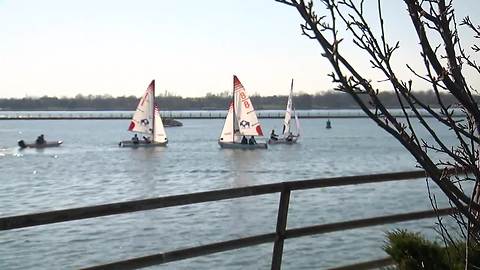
[(278, 237)]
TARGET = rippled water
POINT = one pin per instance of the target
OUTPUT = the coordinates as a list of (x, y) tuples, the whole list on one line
[(90, 169)]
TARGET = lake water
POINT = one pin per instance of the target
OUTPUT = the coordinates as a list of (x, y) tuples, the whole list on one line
[(89, 168)]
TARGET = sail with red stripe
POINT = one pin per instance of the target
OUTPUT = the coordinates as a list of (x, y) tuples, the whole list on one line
[(246, 117), (146, 119), (241, 122), (142, 121)]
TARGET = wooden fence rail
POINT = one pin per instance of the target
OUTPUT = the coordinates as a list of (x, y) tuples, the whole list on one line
[(14, 222), (277, 237)]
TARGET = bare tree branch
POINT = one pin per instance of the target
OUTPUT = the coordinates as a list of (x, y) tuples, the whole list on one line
[(444, 64)]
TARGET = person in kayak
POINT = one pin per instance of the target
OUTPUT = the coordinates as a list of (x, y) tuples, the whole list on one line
[(40, 140)]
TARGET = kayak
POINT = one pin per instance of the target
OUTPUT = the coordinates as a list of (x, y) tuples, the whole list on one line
[(23, 144)]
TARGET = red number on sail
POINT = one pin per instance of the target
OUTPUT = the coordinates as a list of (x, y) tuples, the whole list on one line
[(246, 104), (242, 95)]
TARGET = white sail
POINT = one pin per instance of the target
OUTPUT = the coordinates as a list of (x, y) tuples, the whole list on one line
[(297, 123), (142, 121), (288, 116), (228, 132), (146, 119), (160, 136), (288, 113), (244, 112)]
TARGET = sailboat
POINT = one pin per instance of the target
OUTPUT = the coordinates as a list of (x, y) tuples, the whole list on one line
[(147, 121), (287, 136), (241, 123)]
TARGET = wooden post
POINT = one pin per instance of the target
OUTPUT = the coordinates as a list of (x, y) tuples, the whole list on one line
[(281, 228)]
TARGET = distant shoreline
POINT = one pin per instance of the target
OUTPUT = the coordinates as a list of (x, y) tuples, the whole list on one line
[(211, 102)]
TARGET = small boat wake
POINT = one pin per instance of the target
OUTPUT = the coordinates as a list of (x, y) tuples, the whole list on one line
[(10, 152)]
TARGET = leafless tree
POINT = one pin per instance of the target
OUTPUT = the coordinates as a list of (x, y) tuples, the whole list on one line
[(445, 62)]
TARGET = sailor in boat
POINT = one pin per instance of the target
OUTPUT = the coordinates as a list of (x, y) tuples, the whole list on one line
[(146, 139), (252, 141), (22, 144), (273, 136), (244, 140), (135, 139), (289, 137), (40, 140)]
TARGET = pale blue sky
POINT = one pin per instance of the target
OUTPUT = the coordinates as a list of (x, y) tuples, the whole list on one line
[(62, 48)]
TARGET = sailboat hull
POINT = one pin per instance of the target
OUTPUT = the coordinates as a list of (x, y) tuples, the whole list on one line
[(283, 141), (231, 145), (140, 144)]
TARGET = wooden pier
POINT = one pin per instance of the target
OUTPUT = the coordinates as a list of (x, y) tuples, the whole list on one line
[(278, 237)]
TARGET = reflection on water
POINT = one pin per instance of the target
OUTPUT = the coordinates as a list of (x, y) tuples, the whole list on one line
[(90, 168), (243, 164)]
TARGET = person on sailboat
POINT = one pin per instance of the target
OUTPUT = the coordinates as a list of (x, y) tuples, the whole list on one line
[(289, 137), (252, 141), (135, 139), (273, 136), (244, 140), (146, 139), (40, 139)]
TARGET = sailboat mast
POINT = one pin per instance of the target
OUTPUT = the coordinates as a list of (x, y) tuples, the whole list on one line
[(288, 112), (233, 104), (291, 94), (291, 87), (294, 111), (153, 111)]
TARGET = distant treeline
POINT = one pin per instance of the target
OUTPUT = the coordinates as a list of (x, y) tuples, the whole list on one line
[(326, 100)]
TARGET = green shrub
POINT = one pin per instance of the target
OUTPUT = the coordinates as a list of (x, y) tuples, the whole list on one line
[(411, 251)]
